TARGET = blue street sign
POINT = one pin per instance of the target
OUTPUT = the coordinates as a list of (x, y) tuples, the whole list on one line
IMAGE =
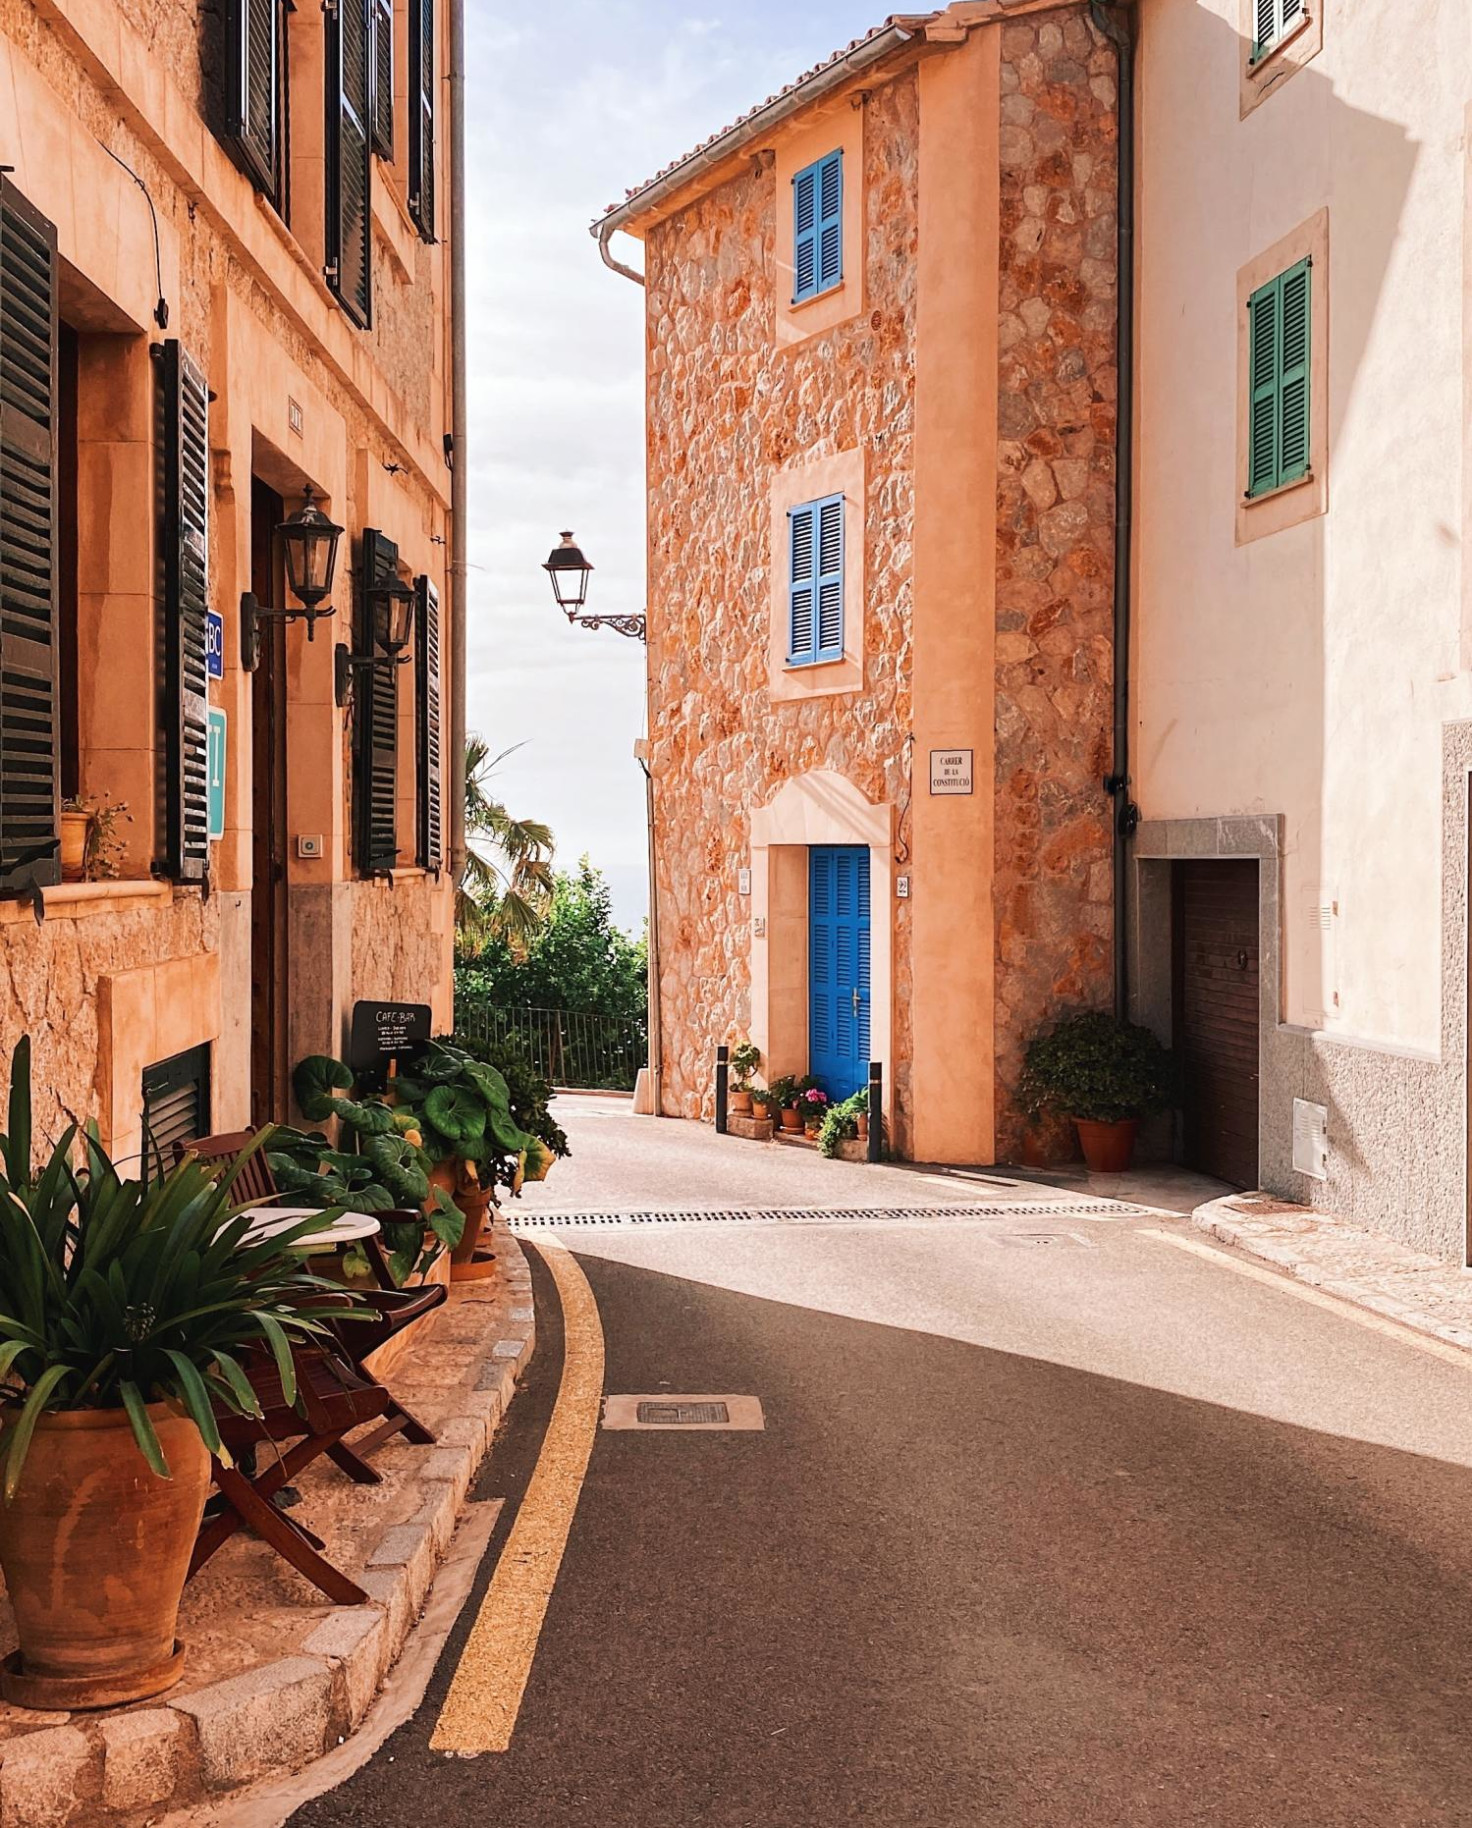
[(214, 643), (215, 769)]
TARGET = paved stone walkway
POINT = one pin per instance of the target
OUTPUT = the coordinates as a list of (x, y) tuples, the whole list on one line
[(1361, 1266)]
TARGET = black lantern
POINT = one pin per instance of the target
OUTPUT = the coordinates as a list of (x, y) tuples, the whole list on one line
[(391, 618), (569, 572), (309, 542), (309, 547)]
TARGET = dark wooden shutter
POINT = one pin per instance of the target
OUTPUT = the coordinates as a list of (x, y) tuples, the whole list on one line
[(376, 721), (421, 115), (349, 157), (1217, 1015), (29, 739), (428, 683), (176, 1107), (383, 78), (253, 100), (185, 546)]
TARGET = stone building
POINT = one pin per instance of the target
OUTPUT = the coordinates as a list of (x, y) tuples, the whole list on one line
[(881, 410), (211, 301)]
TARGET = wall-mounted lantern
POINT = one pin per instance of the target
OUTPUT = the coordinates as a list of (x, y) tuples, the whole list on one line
[(569, 571), (309, 547), (391, 612)]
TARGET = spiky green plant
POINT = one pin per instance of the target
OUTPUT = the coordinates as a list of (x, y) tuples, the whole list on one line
[(118, 1293)]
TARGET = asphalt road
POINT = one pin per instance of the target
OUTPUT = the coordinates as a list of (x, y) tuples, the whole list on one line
[(1088, 1533)]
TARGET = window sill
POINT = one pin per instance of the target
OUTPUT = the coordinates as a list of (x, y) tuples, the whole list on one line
[(1256, 65), (807, 666), (813, 298), (1284, 488), (83, 900)]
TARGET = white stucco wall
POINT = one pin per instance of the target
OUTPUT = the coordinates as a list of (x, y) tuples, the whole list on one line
[(1309, 672)]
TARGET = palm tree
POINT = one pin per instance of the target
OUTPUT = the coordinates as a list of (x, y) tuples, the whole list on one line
[(505, 887)]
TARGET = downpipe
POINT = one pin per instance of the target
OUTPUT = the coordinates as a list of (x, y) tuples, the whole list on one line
[(459, 443), (1117, 21)]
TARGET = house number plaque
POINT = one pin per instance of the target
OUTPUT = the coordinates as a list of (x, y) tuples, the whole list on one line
[(950, 770)]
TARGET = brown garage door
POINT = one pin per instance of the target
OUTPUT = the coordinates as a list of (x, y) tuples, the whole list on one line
[(1217, 1013)]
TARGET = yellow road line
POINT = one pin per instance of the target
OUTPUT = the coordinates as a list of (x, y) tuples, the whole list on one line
[(1346, 1310), (480, 1710)]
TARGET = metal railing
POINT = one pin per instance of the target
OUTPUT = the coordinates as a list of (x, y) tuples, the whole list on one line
[(572, 1048)]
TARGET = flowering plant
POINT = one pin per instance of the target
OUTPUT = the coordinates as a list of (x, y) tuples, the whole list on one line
[(815, 1098)]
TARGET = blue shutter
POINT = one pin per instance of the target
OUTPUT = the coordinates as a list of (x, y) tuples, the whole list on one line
[(815, 582), (802, 618), (830, 578), (830, 221), (817, 227)]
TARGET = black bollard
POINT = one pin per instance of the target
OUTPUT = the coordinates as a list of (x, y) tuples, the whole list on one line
[(876, 1110), (723, 1055)]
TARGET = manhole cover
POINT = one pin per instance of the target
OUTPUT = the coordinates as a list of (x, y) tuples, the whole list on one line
[(654, 1410), (1043, 1240), (682, 1415)]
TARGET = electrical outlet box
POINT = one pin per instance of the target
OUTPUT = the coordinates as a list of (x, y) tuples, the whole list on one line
[(743, 882), (310, 847), (902, 887)]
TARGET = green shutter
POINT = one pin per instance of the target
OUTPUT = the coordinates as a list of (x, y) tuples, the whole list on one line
[(1280, 318), (375, 721), (184, 543)]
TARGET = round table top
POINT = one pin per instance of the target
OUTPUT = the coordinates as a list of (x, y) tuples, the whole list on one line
[(346, 1228)]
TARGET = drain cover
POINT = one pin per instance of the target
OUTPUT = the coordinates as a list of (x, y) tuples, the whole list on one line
[(681, 1415), (849, 1215), (701, 1413), (1043, 1240)]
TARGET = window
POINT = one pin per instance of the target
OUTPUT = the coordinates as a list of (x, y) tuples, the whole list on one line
[(176, 1107), (254, 111), (428, 770), (421, 116), (1273, 20), (375, 721), (817, 238), (815, 582), (1280, 317), (349, 156)]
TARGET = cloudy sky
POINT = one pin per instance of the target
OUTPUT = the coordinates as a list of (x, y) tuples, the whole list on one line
[(570, 106)]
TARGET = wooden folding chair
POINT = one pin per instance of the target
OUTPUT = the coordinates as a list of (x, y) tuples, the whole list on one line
[(391, 1309), (332, 1399)]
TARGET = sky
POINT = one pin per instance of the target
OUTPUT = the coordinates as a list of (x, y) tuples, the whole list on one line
[(569, 108)]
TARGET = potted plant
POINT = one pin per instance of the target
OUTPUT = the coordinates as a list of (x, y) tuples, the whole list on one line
[(91, 844), (783, 1094), (762, 1102), (746, 1060), (1104, 1076), (812, 1105), (847, 1121), (128, 1306)]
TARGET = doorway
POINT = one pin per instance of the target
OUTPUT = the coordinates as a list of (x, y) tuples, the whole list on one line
[(269, 1044), (1216, 989), (838, 967)]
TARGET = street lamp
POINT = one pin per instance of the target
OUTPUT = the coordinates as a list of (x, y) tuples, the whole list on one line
[(391, 622), (569, 572), (309, 546)]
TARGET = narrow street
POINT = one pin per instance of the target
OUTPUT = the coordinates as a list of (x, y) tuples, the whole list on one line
[(1055, 1522)]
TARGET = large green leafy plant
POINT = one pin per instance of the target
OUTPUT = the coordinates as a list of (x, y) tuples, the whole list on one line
[(529, 1092), (376, 1166), (462, 1111), (1097, 1068), (116, 1293)]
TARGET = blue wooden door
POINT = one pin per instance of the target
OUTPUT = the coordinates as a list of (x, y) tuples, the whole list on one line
[(838, 967)]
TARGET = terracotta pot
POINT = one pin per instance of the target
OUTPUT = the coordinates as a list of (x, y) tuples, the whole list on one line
[(475, 1204), (95, 1549), (791, 1120), (861, 1121), (1034, 1149), (74, 845), (1108, 1147), (741, 1103), (760, 1107)]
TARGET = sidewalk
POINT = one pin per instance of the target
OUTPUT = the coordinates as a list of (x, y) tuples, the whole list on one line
[(1339, 1258)]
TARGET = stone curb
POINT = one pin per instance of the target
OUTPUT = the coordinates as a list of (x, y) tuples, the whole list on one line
[(1271, 1238), (126, 1768)]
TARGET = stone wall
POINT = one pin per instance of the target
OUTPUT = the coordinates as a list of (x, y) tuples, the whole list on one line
[(1055, 532), (727, 408)]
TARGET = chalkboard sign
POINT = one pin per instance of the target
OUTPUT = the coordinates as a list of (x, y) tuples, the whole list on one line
[(384, 1032)]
